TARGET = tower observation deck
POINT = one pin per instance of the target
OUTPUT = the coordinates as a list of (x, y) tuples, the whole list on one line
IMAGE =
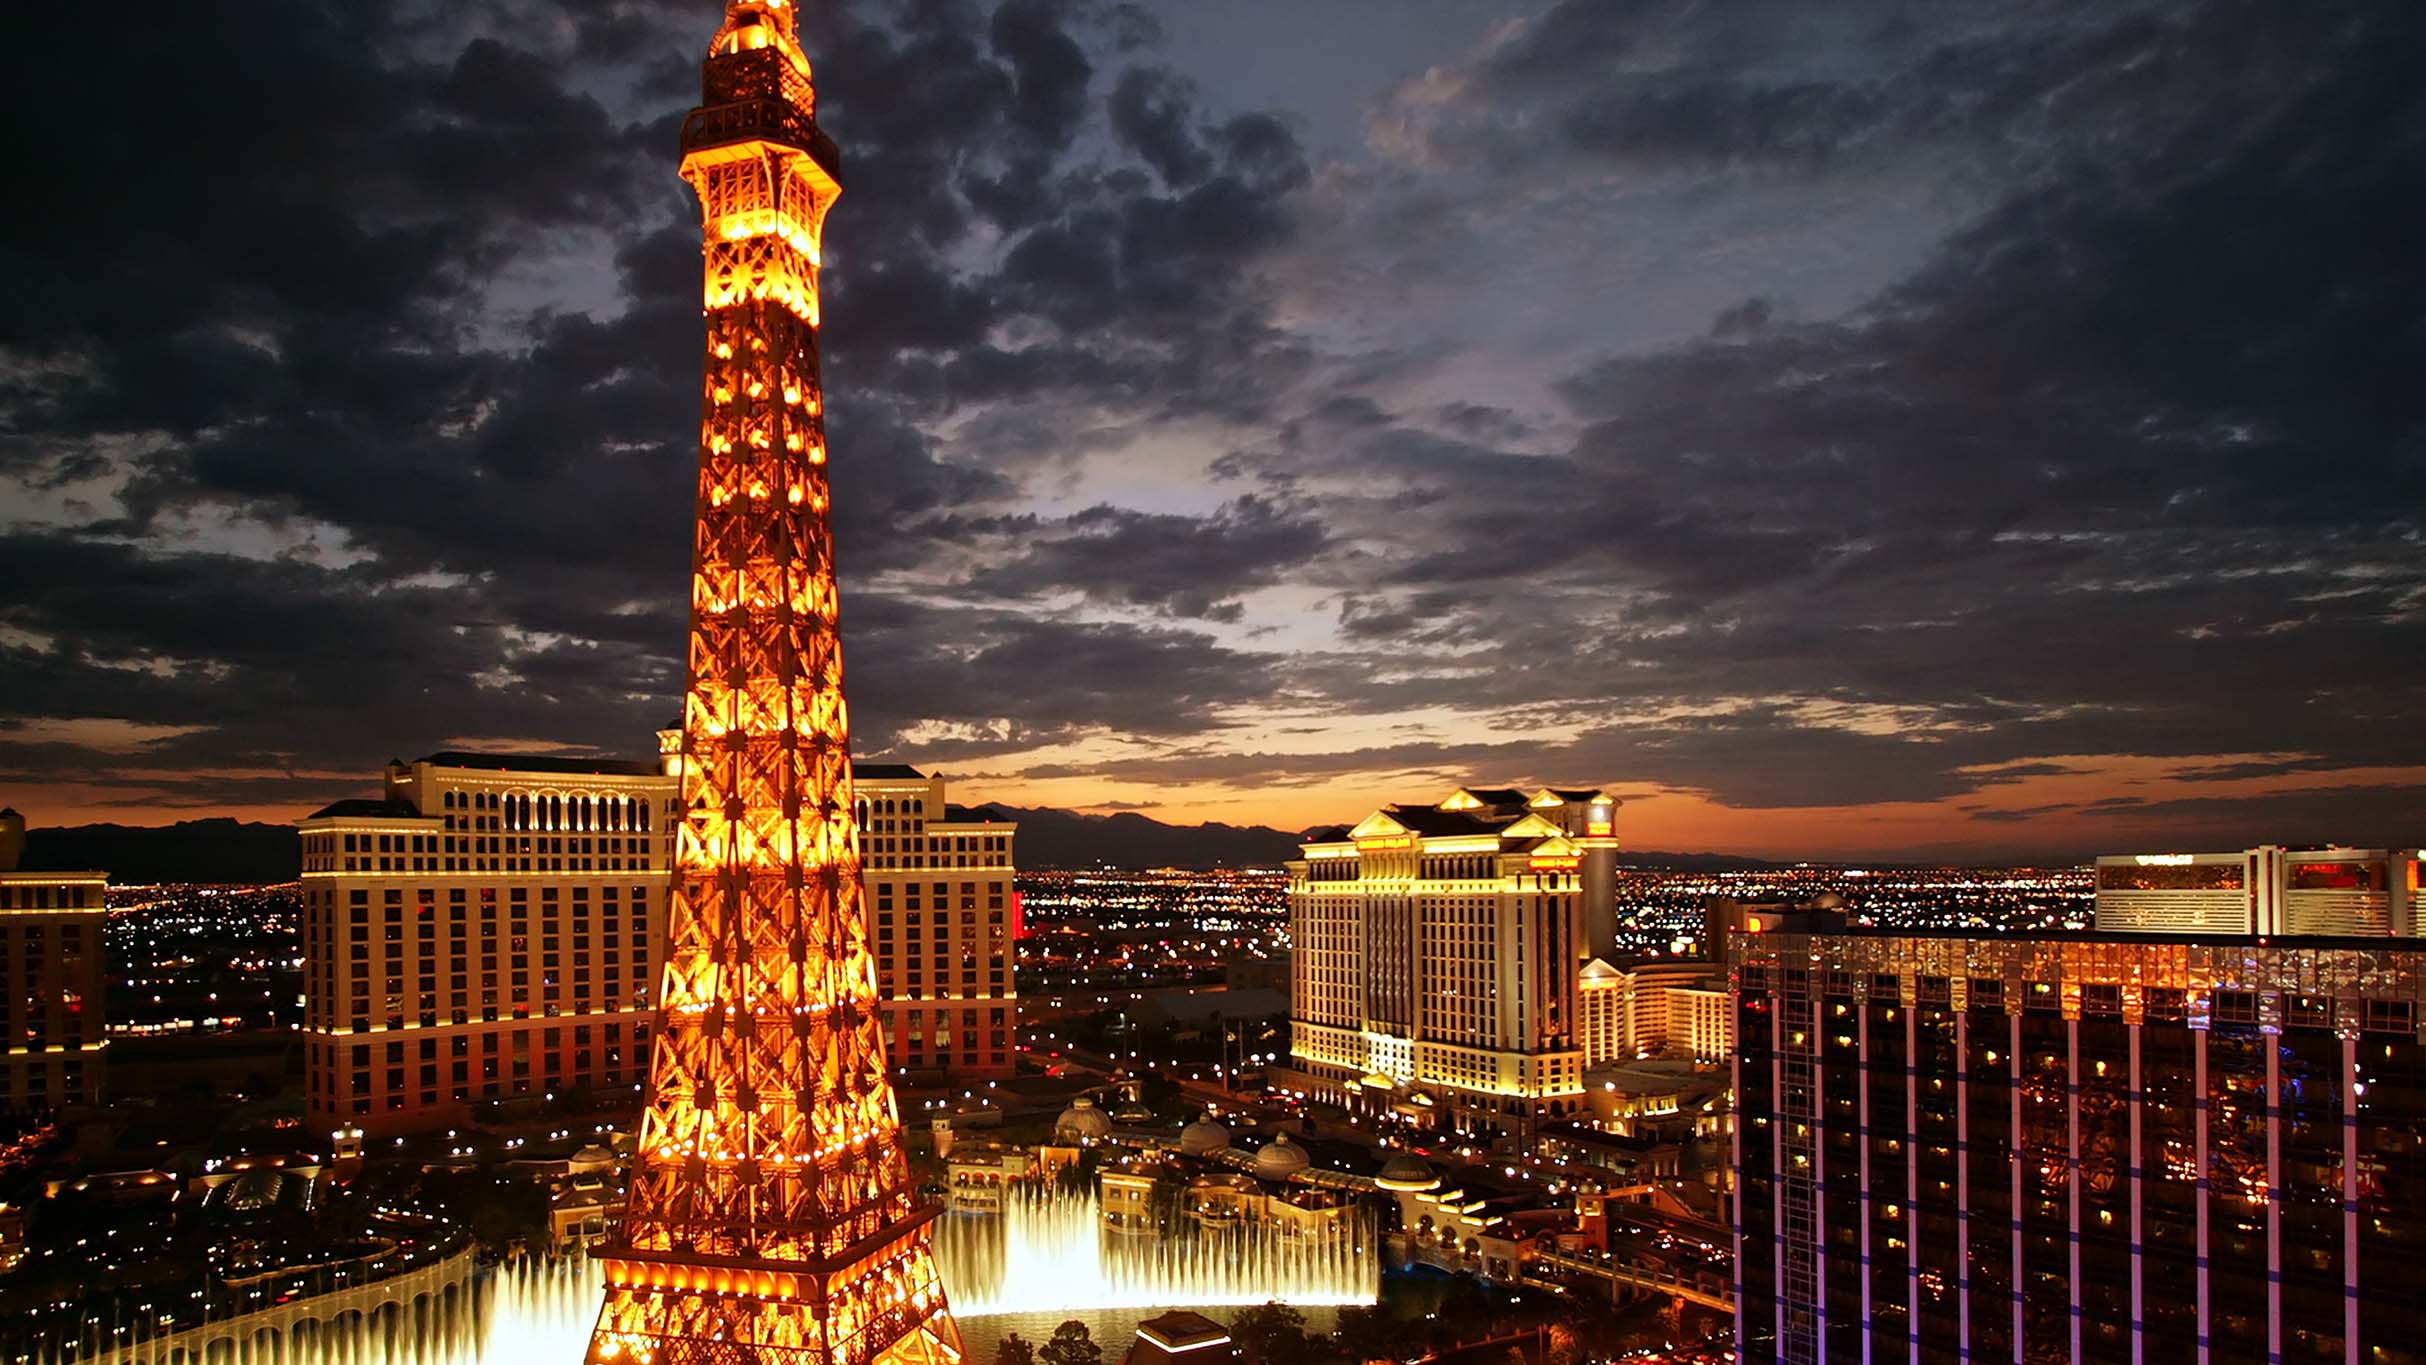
[(772, 1218)]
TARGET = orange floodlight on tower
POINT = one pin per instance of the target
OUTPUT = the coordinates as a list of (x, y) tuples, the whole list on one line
[(772, 1219)]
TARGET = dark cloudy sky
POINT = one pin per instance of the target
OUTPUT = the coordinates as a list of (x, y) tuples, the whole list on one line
[(1853, 429)]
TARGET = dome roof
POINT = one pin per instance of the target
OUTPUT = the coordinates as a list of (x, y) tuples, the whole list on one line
[(1203, 1138), (1083, 1122), (1407, 1171), (1827, 900), (254, 1190), (1280, 1160)]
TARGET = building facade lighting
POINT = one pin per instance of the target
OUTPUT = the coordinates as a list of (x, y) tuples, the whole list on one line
[(772, 1212)]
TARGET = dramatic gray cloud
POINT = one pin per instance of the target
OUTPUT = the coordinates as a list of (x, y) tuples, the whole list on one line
[(1946, 427)]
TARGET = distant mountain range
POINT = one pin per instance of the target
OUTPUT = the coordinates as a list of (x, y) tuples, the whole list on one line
[(1064, 838), (232, 851), (189, 851)]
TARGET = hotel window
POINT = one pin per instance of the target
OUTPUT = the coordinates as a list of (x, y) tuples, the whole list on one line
[(2308, 1011)]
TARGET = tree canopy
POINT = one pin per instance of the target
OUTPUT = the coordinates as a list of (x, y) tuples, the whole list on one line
[(1071, 1344)]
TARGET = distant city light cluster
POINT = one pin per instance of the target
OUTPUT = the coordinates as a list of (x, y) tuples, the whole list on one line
[(204, 959), (1130, 930), (1658, 910)]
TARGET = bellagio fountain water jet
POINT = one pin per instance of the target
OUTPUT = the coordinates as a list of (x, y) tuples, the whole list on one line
[(1048, 1251)]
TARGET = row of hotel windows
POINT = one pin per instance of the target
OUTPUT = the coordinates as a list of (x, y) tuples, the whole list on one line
[(1440, 867), (50, 897), (490, 1012), (2160, 1004), (35, 939), (407, 853), (555, 811), (392, 954), (517, 897), (458, 902), (941, 843), (460, 1045), (914, 984), (425, 963), (943, 895), (32, 1033), (925, 1038), (41, 992), (909, 962), (31, 1083), (916, 1030), (432, 843), (1443, 867), (503, 1070), (893, 854), (2233, 876), (1324, 982), (943, 929)]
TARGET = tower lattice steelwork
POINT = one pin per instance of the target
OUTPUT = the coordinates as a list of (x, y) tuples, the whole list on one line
[(772, 1219)]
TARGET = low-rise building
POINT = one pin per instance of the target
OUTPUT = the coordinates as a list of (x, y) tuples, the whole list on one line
[(1654, 1008), (1257, 973), (1232, 1199), (1671, 1099), (1177, 1336), (1126, 1197), (978, 1174)]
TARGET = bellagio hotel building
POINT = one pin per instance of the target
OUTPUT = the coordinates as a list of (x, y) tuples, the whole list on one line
[(491, 927), (486, 929), (942, 919)]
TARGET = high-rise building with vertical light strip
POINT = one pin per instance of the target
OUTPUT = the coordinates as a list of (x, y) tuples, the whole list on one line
[(1435, 953), (772, 1217), (2079, 1147)]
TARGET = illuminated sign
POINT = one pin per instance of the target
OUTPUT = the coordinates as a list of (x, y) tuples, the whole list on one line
[(1754, 925), (1381, 842), (1597, 822), (1557, 864), (2163, 860)]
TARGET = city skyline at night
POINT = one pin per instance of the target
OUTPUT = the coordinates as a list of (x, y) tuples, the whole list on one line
[(1532, 681), (1962, 436)]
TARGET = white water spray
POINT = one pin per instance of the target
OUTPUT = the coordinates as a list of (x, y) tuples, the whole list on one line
[(1047, 1251)]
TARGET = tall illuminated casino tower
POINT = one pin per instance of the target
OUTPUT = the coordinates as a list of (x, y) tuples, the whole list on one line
[(771, 1218)]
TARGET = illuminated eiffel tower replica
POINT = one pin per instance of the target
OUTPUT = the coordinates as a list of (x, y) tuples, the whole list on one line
[(771, 1218)]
